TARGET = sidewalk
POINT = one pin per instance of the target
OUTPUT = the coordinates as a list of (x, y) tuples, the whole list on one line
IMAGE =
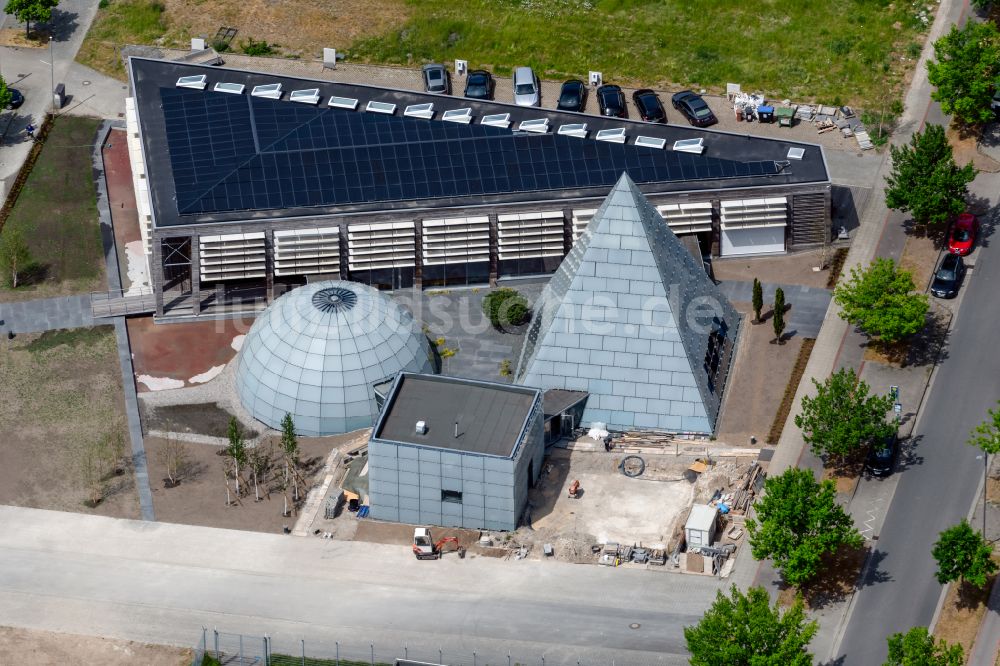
[(46, 314)]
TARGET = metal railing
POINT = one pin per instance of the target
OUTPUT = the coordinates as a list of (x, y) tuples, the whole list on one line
[(119, 303)]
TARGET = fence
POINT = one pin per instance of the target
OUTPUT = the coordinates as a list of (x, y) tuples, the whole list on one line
[(226, 649)]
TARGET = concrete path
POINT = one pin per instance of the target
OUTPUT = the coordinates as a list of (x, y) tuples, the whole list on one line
[(808, 305), (46, 314), (162, 583)]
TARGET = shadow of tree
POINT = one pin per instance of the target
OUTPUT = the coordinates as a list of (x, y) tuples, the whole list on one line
[(908, 455)]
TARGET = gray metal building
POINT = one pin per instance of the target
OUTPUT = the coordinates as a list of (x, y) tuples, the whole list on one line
[(455, 452)]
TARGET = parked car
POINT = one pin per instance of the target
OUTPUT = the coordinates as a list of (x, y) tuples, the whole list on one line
[(694, 108), (963, 234), (611, 100), (526, 88), (572, 96), (16, 98), (479, 84), (648, 104), (882, 456), (948, 276), (436, 79)]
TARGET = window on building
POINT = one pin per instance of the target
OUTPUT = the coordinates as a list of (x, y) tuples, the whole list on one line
[(451, 496)]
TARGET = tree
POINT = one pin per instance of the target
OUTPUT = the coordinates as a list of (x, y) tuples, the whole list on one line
[(290, 452), (844, 416), (986, 435), (260, 462), (38, 11), (93, 465), (964, 71), (925, 179), (778, 319), (745, 629), (758, 300), (5, 95), (173, 455), (15, 256), (505, 307), (963, 554), (880, 301), (918, 648), (798, 522), (236, 450)]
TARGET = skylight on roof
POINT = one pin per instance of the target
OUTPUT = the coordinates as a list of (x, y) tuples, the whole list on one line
[(198, 82), (650, 142), (420, 110), (343, 103), (696, 146), (308, 96), (496, 120), (574, 129), (463, 116), (614, 135), (268, 90), (232, 88), (539, 125), (381, 107), (796, 153)]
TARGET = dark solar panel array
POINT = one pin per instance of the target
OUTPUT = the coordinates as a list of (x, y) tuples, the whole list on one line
[(231, 153)]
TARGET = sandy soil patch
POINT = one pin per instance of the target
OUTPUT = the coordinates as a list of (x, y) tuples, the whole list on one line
[(965, 150), (16, 37), (48, 648), (962, 613), (59, 391), (200, 499)]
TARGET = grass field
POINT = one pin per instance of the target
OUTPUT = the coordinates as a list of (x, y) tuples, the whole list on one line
[(856, 51), (59, 390), (57, 214)]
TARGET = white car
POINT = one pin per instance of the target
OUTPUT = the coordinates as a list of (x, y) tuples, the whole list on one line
[(526, 89)]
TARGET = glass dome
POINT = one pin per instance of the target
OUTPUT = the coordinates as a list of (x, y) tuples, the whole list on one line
[(316, 352)]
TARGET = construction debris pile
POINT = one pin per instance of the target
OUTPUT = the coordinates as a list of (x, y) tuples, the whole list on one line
[(733, 487)]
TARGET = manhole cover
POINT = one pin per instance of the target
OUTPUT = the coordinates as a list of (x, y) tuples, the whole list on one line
[(86, 83), (634, 625)]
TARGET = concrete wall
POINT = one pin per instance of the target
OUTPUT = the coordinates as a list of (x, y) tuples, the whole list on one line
[(405, 483)]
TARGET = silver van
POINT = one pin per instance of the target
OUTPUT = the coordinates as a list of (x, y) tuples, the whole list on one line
[(526, 89)]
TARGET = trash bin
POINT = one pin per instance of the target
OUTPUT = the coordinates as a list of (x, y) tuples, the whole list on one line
[(785, 116), (765, 114)]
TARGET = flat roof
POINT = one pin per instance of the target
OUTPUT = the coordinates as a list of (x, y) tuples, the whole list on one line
[(214, 156), (557, 401), (490, 416), (702, 517)]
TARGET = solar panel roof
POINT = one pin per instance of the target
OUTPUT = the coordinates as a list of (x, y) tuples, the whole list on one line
[(215, 156)]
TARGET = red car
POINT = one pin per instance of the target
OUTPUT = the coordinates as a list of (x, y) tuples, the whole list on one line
[(963, 234)]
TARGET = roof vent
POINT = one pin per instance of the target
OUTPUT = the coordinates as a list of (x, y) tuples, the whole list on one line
[(496, 120), (381, 107), (696, 146), (308, 96), (232, 88), (539, 125), (198, 82), (614, 135), (575, 129), (420, 110), (421, 428), (268, 90), (650, 142), (343, 103), (796, 153), (463, 116)]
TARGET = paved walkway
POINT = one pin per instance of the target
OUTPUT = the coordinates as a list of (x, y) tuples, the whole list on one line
[(808, 304), (46, 314)]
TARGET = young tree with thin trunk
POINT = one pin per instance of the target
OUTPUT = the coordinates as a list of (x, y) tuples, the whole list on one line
[(919, 648), (38, 11), (15, 256), (778, 320), (290, 452), (963, 554), (93, 464), (236, 450), (745, 630), (260, 461), (116, 445), (758, 300), (173, 456)]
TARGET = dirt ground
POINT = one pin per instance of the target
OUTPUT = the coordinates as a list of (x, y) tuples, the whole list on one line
[(59, 390), (200, 499), (965, 151), (317, 23), (47, 648), (182, 354), (794, 268), (757, 383), (962, 613), (200, 419), (920, 255)]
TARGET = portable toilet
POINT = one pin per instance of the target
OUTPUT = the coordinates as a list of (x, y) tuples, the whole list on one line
[(700, 527)]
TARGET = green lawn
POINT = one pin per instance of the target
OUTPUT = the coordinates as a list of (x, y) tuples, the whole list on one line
[(121, 22), (848, 52), (57, 214)]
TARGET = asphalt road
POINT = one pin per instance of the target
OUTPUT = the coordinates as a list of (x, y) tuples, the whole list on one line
[(936, 491), (162, 583)]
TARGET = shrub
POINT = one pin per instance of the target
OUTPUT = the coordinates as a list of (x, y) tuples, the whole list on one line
[(505, 307)]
